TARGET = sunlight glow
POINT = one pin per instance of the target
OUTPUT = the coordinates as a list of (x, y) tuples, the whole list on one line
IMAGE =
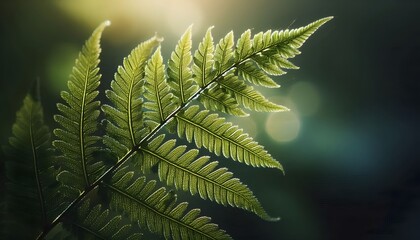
[(131, 18), (283, 126), (180, 14), (248, 124)]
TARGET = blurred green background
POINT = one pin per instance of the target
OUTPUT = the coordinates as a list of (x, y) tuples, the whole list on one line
[(349, 145)]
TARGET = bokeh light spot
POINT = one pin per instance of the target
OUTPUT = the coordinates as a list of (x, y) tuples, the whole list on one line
[(283, 127)]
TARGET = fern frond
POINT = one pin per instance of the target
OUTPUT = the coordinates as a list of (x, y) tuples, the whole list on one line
[(94, 222), (270, 50), (203, 60), (247, 96), (221, 137), (286, 42), (159, 99), (243, 46), (158, 209), (76, 138), (223, 56), (179, 72), (250, 72), (269, 64), (30, 173), (187, 172), (217, 99), (124, 124), (143, 100)]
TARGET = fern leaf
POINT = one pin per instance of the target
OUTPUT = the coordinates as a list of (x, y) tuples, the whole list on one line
[(179, 72), (276, 58), (159, 98), (243, 46), (92, 221), (247, 96), (217, 99), (221, 137), (261, 41), (29, 172), (204, 60), (125, 126), (158, 209), (76, 138), (272, 49), (248, 71), (224, 53), (187, 172), (268, 64), (287, 40)]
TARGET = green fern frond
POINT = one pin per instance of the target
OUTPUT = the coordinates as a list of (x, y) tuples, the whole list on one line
[(247, 96), (94, 222), (159, 99), (243, 46), (286, 42), (270, 50), (179, 72), (223, 56), (124, 124), (221, 137), (144, 99), (203, 60), (158, 209), (30, 173), (250, 72), (217, 99), (76, 138), (187, 172)]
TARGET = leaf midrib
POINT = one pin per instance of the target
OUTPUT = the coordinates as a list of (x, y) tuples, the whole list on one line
[(156, 85), (221, 137), (129, 109), (208, 95), (197, 175), (242, 94), (35, 162), (81, 127), (180, 75), (145, 205)]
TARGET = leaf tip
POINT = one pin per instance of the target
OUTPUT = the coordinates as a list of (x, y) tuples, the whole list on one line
[(322, 21), (158, 38)]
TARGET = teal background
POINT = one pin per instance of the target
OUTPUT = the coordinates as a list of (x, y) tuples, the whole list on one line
[(353, 170)]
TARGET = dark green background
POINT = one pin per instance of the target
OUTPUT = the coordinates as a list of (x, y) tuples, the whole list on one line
[(352, 173)]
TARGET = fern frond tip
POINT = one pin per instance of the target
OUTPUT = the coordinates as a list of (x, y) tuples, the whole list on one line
[(158, 38), (322, 21)]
